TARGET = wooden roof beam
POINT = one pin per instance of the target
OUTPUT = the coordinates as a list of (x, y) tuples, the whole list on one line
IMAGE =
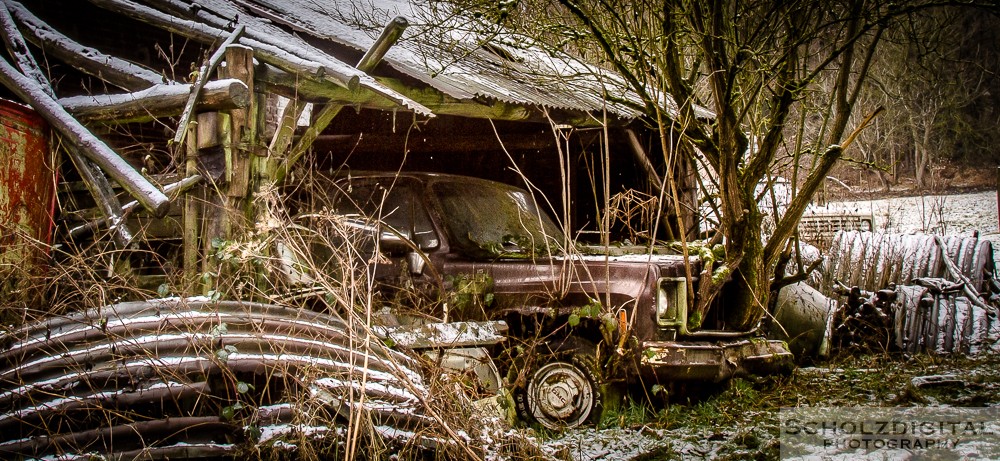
[(284, 58), (155, 102), (294, 86)]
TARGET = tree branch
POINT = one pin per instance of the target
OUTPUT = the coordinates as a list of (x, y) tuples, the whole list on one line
[(786, 226)]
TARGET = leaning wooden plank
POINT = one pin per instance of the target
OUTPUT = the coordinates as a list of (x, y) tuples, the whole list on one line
[(90, 146), (158, 101), (287, 122), (271, 53), (389, 36), (99, 187), (199, 83), (116, 71)]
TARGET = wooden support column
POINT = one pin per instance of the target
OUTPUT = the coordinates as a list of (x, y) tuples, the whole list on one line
[(243, 123), (192, 213)]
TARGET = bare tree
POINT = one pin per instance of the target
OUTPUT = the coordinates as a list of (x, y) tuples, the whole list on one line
[(932, 71), (750, 63)]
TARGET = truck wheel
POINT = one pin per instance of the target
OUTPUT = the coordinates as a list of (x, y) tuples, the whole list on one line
[(561, 390)]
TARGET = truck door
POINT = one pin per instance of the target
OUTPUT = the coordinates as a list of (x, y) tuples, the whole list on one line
[(397, 203)]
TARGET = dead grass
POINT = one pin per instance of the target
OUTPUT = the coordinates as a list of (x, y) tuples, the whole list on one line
[(300, 256)]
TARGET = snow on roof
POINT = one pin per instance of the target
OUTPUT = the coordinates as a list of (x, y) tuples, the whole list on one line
[(453, 54)]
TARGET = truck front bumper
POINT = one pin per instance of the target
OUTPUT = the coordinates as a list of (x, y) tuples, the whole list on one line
[(716, 360)]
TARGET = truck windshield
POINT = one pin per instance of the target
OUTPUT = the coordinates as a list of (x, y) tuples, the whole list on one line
[(496, 220)]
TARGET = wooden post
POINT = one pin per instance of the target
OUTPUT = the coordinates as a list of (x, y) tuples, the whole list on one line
[(192, 228), (243, 126)]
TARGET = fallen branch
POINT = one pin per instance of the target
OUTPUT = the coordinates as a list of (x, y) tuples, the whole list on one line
[(955, 272), (173, 190)]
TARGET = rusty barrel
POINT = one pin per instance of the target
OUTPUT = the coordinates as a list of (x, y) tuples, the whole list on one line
[(27, 197)]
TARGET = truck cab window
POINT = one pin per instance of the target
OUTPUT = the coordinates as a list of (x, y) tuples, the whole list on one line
[(399, 207)]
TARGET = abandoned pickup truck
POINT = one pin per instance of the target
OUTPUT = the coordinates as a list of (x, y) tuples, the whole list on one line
[(486, 251)]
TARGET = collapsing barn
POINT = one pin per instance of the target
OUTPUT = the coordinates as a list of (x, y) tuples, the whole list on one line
[(233, 94)]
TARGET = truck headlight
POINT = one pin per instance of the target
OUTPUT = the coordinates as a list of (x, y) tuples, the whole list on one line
[(671, 301)]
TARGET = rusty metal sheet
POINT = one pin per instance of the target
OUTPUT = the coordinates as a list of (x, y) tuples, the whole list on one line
[(27, 184)]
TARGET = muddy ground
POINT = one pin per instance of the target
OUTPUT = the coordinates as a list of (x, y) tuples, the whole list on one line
[(741, 422)]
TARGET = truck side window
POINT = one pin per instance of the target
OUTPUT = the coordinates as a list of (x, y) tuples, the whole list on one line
[(401, 209)]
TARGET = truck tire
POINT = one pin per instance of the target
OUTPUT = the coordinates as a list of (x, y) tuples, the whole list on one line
[(561, 389)]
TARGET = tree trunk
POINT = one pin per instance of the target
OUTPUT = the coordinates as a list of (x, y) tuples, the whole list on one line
[(921, 155), (748, 287)]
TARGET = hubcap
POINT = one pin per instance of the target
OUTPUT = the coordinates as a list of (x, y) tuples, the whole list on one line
[(560, 395)]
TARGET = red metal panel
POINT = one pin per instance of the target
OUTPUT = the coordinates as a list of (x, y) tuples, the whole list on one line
[(27, 185)]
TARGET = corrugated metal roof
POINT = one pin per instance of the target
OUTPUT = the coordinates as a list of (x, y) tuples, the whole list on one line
[(447, 52), (450, 53)]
